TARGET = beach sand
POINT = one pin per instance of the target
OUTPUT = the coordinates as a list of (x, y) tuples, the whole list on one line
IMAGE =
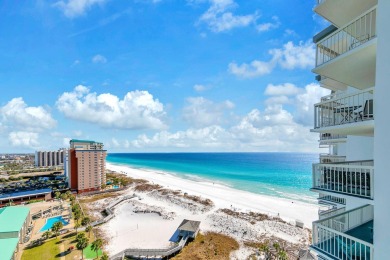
[(138, 230)]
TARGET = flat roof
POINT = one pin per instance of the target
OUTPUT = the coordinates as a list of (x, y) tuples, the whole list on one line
[(8, 247), (84, 141), (24, 193), (189, 225), (12, 218)]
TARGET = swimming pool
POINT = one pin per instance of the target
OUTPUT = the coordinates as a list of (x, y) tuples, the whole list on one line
[(50, 222)]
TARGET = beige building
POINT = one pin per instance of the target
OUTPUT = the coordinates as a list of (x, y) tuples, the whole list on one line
[(49, 158), (87, 165)]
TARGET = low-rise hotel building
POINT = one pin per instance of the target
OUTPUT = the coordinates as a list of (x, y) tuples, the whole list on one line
[(14, 226)]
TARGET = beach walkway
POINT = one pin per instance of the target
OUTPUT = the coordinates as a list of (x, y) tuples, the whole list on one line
[(188, 229)]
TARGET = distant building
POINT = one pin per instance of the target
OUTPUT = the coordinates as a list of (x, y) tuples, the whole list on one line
[(21, 197), (49, 158), (86, 169), (14, 225)]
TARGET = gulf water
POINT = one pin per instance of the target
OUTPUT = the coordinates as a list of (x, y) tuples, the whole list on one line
[(285, 175)]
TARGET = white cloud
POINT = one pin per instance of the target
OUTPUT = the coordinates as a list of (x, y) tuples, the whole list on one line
[(137, 109), (219, 18), (16, 114), (305, 103), (74, 8), (201, 112), (23, 139), (289, 57), (286, 89), (269, 26), (254, 69), (199, 88), (99, 59), (272, 129)]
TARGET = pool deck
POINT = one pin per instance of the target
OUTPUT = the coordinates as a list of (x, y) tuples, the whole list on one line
[(61, 219)]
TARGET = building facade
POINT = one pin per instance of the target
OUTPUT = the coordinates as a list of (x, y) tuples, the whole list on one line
[(86, 169), (49, 158), (353, 62), (15, 227)]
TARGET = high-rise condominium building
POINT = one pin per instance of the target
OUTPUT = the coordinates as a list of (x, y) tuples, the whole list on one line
[(353, 180), (49, 158), (86, 165)]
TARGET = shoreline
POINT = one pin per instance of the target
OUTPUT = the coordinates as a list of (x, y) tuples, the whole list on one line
[(225, 196)]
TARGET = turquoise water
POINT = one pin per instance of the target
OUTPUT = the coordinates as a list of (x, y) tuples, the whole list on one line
[(50, 222), (286, 175)]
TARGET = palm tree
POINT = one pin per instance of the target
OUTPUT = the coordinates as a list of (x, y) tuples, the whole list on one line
[(85, 221), (64, 196), (82, 243), (104, 257), (88, 229), (46, 234), (76, 226), (96, 246), (80, 236), (57, 227), (77, 215), (57, 194)]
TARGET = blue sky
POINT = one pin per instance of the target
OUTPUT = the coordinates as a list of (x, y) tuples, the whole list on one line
[(158, 75)]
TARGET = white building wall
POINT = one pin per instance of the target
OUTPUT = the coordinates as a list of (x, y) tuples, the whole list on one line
[(382, 131), (360, 148)]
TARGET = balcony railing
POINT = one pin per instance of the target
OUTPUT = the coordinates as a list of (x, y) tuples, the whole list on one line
[(347, 38), (330, 212), (348, 235), (329, 158), (331, 199), (342, 109), (350, 178)]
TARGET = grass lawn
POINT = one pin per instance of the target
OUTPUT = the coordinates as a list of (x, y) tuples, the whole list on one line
[(90, 254), (47, 250)]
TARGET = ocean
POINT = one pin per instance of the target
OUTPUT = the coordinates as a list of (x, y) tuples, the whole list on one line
[(285, 175)]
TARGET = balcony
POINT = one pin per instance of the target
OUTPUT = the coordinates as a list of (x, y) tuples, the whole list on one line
[(348, 55), (328, 138), (348, 235), (330, 200), (330, 212), (330, 158), (346, 113), (341, 12), (347, 178)]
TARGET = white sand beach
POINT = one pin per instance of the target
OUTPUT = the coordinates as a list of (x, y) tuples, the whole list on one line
[(232, 212)]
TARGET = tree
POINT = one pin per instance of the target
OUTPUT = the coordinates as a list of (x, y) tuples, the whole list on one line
[(46, 234), (57, 227), (104, 257), (79, 236), (64, 196), (57, 194), (88, 229), (81, 244), (77, 215), (85, 221), (76, 226), (96, 246)]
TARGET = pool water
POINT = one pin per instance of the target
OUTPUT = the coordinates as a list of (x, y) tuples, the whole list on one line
[(50, 222)]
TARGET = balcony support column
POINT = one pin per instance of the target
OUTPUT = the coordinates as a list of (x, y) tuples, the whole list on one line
[(382, 130)]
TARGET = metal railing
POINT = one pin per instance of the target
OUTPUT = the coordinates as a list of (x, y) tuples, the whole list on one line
[(330, 212), (330, 158), (332, 199), (354, 34), (350, 178), (329, 235), (345, 109), (328, 136)]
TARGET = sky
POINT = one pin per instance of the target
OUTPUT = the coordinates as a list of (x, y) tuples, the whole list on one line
[(159, 75)]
